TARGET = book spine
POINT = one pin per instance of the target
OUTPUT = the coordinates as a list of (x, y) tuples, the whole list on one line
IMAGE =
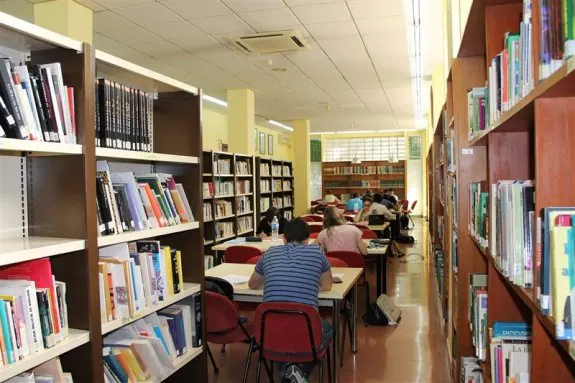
[(47, 106), (198, 319), (9, 95)]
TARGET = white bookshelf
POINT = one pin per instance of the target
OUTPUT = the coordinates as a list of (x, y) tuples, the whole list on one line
[(244, 175), (14, 250), (47, 148), (179, 363), (224, 217), (189, 289), (244, 194), (108, 240), (75, 339), (246, 213), (223, 196), (144, 156)]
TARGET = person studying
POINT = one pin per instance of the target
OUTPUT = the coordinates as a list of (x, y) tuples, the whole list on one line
[(330, 198), (369, 208), (355, 204), (265, 226), (338, 236), (295, 273)]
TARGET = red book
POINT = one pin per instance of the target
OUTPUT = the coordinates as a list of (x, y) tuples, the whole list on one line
[(72, 107), (39, 271), (154, 202)]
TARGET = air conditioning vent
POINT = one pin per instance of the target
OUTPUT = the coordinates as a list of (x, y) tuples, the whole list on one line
[(284, 140), (266, 43)]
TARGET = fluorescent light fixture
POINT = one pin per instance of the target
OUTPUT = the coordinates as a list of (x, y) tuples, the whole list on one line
[(214, 100), (321, 133), (280, 125)]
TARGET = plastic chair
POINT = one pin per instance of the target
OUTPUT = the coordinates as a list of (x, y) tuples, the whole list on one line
[(223, 326), (253, 260), (404, 204), (316, 218), (289, 333), (307, 218), (240, 254), (336, 262), (313, 235), (368, 234), (355, 260), (315, 228)]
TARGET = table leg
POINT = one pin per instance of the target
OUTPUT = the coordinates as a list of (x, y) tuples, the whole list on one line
[(354, 320), (336, 334), (384, 272), (379, 275)]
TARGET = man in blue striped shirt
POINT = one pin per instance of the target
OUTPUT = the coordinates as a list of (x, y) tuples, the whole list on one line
[(295, 272)]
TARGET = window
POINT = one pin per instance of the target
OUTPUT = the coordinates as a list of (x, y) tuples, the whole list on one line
[(414, 147), (366, 149)]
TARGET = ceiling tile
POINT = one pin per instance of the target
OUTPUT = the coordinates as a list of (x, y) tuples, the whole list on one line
[(108, 20), (333, 30), (115, 4), (391, 46), (196, 9), (245, 6), (381, 25), (223, 25), (159, 49), (131, 34), (91, 4), (149, 14), (371, 9), (322, 13), (198, 44), (175, 30), (271, 20), (297, 3), (105, 43)]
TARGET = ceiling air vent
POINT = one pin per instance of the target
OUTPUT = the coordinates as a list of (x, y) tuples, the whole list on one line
[(272, 42)]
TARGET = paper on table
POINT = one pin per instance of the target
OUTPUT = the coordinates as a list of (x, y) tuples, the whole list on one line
[(338, 275), (236, 279)]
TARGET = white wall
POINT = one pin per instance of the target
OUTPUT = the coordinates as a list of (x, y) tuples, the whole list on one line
[(414, 184), (316, 180)]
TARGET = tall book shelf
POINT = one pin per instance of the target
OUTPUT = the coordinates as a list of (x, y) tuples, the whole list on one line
[(274, 186), (48, 193), (531, 139), (343, 178), (231, 198)]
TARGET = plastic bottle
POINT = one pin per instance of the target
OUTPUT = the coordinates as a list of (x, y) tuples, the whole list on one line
[(356, 207), (275, 228)]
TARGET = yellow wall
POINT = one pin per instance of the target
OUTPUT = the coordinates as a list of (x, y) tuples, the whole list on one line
[(281, 152)]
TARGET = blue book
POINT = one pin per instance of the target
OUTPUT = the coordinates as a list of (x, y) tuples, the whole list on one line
[(116, 368), (180, 333), (174, 335), (133, 281), (511, 330), (6, 332), (159, 335)]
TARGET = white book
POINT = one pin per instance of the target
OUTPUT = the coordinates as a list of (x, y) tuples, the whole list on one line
[(165, 328), (152, 275), (519, 361), (56, 106), (22, 99), (64, 313), (162, 325), (181, 191), (152, 361), (26, 84), (160, 352), (31, 338), (102, 166), (146, 279), (121, 296), (58, 83), (134, 199), (103, 309), (16, 351), (139, 284)]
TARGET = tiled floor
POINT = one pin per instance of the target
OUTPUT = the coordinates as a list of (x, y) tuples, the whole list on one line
[(414, 351)]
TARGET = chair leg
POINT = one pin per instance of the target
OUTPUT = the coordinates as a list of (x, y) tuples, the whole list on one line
[(247, 369), (329, 372), (321, 371), (342, 348), (259, 368), (411, 219), (272, 371), (216, 369)]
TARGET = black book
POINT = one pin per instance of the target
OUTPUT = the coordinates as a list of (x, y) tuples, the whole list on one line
[(197, 337), (175, 275), (145, 121), (47, 103), (113, 118), (150, 121), (101, 224), (8, 94), (123, 206), (97, 113), (44, 121), (139, 123), (104, 112), (118, 106), (7, 121), (105, 207), (120, 210)]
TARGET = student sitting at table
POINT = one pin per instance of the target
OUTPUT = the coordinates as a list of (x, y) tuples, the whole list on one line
[(337, 235), (370, 207), (354, 204), (295, 272), (265, 226), (330, 198)]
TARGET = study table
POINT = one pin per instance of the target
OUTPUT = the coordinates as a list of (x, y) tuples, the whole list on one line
[(382, 227), (332, 298)]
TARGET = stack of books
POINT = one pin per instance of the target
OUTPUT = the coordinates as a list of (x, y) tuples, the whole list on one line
[(476, 111), (510, 350), (137, 276), (48, 372), (287, 186), (243, 205), (243, 168), (208, 190), (128, 202), (224, 188), (278, 202), (124, 117), (223, 208), (222, 167), (208, 214), (287, 201), (265, 186), (244, 187), (224, 229), (477, 313), (264, 170), (151, 348), (264, 204), (35, 103), (277, 185), (286, 171), (33, 310), (478, 219), (277, 171), (245, 224)]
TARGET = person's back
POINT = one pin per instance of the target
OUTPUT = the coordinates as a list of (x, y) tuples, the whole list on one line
[(330, 197), (340, 238), (354, 204)]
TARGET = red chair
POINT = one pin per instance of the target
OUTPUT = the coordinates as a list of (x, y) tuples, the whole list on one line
[(240, 254), (316, 218), (404, 204), (368, 234), (355, 260), (307, 218), (289, 333), (336, 262), (313, 235), (223, 326), (253, 260), (408, 212), (315, 228)]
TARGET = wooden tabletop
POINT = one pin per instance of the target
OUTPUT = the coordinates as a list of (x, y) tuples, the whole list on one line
[(243, 293), (267, 243), (371, 227)]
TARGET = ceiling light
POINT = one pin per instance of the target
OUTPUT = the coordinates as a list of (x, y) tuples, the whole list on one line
[(214, 100), (279, 124)]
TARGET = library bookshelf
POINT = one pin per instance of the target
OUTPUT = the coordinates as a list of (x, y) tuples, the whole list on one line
[(48, 192), (344, 178), (233, 179), (274, 186), (532, 140)]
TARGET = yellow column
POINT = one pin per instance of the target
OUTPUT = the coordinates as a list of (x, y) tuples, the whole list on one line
[(65, 17), (301, 166), (241, 120), (18, 8)]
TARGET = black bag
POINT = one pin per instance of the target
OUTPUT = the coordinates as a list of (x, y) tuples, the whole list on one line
[(374, 316), (219, 286), (405, 239), (404, 221)]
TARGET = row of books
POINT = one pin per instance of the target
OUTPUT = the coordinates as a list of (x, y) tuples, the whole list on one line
[(243, 187), (440, 271), (222, 167), (243, 168), (264, 170), (276, 170), (510, 352), (128, 202), (35, 104), (478, 219), (243, 204), (124, 117), (287, 185), (288, 201), (477, 313), (223, 208), (264, 204), (208, 213), (223, 188), (149, 349), (454, 251), (441, 227), (450, 152), (265, 186), (286, 171), (278, 202), (33, 310), (364, 170), (288, 214), (452, 184), (223, 229), (470, 370), (47, 372), (245, 224), (277, 186), (137, 276)]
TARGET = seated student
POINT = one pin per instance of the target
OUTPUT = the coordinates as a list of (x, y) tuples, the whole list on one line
[(389, 195), (265, 226), (389, 203), (330, 198), (295, 272), (337, 235), (355, 203), (370, 207)]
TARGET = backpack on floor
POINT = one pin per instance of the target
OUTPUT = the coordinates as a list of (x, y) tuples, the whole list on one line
[(374, 317), (382, 313), (405, 239)]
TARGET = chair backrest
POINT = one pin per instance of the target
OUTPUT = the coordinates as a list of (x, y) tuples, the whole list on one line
[(360, 226), (307, 218), (288, 330), (405, 204), (219, 286), (348, 218), (240, 254), (336, 262), (316, 218), (368, 234), (313, 235), (253, 260), (341, 206), (352, 258), (413, 204), (315, 228), (221, 314)]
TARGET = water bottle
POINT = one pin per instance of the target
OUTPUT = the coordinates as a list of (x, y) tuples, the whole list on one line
[(356, 207), (275, 228)]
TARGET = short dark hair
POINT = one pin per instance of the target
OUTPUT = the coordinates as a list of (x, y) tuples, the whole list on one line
[(377, 198), (328, 191), (355, 195), (296, 230), (367, 198)]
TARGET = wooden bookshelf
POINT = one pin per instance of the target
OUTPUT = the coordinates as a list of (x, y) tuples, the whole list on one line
[(285, 191), (532, 140), (344, 177), (48, 192)]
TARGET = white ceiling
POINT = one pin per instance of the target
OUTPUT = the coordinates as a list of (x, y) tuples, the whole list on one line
[(356, 72)]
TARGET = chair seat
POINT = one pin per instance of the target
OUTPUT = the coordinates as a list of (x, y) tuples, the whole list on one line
[(293, 358), (235, 336)]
